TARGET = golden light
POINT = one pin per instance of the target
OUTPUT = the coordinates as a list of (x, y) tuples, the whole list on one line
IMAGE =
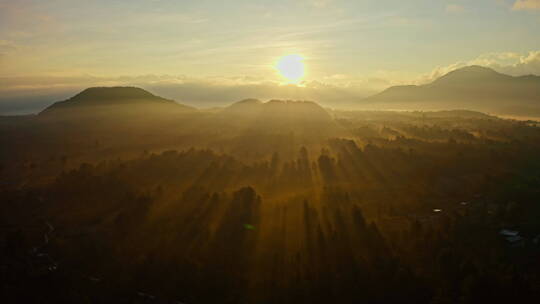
[(291, 67)]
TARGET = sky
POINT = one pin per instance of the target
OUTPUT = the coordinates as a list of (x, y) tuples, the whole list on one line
[(207, 52)]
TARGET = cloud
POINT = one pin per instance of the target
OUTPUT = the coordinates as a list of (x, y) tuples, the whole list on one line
[(524, 5), (525, 65), (7, 46), (320, 3), (25, 18), (438, 72), (455, 9)]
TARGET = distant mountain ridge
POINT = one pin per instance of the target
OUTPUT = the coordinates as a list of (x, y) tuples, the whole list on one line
[(113, 96), (472, 87), (278, 109)]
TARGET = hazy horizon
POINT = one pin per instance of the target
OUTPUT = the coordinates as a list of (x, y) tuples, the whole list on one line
[(270, 151), (206, 54)]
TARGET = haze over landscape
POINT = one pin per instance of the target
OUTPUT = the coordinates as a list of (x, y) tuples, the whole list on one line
[(208, 54), (310, 151)]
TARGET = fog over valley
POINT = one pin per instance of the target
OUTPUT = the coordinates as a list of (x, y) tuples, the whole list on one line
[(270, 152)]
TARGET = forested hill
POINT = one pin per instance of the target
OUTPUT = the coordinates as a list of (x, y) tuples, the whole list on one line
[(91, 98)]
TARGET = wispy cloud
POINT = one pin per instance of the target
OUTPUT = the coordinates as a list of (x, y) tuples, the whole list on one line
[(7, 46), (321, 3), (522, 5), (455, 9)]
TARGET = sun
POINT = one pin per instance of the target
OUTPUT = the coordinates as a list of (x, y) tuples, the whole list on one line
[(291, 67)]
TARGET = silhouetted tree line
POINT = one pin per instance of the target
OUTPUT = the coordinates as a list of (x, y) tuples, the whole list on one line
[(352, 224)]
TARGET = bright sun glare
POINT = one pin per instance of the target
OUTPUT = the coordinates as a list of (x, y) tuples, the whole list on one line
[(291, 67)]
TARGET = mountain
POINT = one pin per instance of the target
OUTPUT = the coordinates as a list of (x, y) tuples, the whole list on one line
[(99, 98), (244, 107), (472, 87), (279, 117), (305, 111), (277, 110)]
